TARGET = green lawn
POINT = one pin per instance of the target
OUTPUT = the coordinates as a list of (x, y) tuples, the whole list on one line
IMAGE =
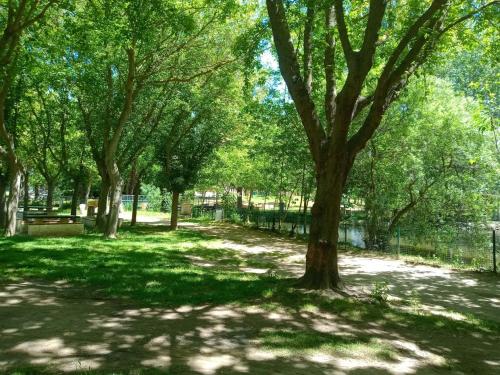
[(152, 266), (149, 264)]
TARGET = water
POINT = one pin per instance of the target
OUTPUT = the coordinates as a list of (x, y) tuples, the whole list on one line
[(461, 249)]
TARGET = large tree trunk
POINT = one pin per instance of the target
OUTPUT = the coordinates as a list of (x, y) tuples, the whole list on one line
[(116, 188), (50, 195), (102, 205), (13, 199), (175, 210), (135, 203), (322, 259)]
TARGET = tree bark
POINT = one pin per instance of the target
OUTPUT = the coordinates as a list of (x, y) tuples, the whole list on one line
[(26, 195), (102, 205), (86, 193), (304, 213), (3, 199), (75, 196), (322, 257), (175, 210), (135, 203), (13, 199), (50, 195), (36, 193), (239, 201), (116, 188)]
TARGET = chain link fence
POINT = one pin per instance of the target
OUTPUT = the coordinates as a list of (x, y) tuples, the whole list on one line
[(468, 249)]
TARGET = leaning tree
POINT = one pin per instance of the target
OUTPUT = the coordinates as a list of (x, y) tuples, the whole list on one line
[(382, 44)]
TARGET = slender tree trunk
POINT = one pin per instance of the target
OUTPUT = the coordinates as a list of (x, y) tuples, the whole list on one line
[(36, 189), (3, 199), (175, 210), (239, 202), (13, 199), (87, 192), (50, 195), (297, 221), (26, 195), (135, 203), (75, 196), (116, 188), (322, 258), (102, 205), (304, 213)]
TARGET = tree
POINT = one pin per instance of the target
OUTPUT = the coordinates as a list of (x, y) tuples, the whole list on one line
[(195, 130), (430, 164), (383, 45), (15, 18), (127, 59)]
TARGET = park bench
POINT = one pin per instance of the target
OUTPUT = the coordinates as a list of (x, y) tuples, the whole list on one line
[(38, 208), (52, 225)]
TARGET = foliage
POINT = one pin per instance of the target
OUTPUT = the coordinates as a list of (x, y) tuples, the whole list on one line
[(155, 197), (430, 167), (379, 292)]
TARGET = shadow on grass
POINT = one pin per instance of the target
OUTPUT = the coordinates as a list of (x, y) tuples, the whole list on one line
[(178, 315), (146, 264)]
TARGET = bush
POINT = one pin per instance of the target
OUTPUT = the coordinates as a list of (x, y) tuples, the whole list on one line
[(228, 202), (155, 197), (380, 292)]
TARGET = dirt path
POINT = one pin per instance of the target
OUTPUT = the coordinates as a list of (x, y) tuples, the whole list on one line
[(438, 290), (67, 329)]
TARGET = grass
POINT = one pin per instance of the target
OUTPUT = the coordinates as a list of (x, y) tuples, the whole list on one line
[(149, 265), (153, 266), (157, 214), (290, 342)]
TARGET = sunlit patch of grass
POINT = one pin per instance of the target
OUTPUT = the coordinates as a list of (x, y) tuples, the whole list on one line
[(148, 264), (293, 342), (308, 307)]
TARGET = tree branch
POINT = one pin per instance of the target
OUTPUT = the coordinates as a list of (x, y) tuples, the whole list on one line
[(308, 58), (467, 16), (192, 77), (343, 33), (329, 65), (290, 70)]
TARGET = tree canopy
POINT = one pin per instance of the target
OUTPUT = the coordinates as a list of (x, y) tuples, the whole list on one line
[(304, 105)]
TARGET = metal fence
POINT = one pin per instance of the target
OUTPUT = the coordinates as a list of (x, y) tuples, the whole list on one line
[(463, 249), (128, 200)]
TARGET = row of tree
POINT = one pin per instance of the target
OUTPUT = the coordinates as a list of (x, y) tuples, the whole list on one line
[(142, 90), (112, 88)]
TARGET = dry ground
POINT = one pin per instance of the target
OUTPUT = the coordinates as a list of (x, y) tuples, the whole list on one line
[(439, 290), (62, 327)]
